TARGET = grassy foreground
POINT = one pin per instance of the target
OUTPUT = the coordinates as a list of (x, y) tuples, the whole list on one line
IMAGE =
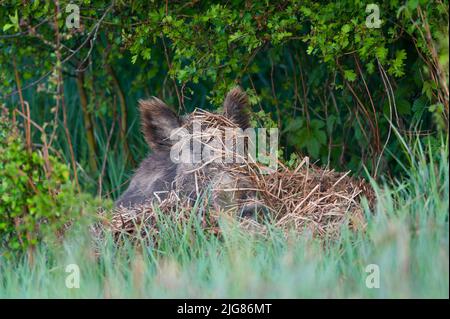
[(407, 239)]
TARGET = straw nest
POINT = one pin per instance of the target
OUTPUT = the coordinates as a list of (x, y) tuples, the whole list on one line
[(305, 198)]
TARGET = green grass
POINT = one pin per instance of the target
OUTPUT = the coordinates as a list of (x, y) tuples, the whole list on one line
[(407, 237)]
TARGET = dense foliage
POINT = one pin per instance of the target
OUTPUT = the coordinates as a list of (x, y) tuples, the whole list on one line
[(329, 75), (352, 85), (37, 198), (324, 72)]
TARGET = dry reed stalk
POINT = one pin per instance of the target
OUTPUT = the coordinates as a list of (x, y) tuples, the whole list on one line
[(304, 198)]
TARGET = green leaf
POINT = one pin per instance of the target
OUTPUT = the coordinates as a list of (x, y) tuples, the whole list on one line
[(7, 26), (350, 75), (346, 28), (313, 147), (403, 107), (412, 4)]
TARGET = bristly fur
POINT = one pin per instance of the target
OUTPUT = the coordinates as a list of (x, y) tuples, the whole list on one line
[(307, 197), (236, 107), (158, 120)]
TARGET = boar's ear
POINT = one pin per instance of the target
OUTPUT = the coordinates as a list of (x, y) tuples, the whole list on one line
[(158, 121), (236, 107)]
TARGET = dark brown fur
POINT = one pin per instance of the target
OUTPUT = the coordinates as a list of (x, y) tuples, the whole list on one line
[(157, 174)]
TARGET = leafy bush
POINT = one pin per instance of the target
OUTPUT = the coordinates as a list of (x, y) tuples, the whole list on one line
[(37, 198), (331, 81)]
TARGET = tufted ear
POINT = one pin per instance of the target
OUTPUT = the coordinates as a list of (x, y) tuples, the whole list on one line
[(158, 121), (236, 107)]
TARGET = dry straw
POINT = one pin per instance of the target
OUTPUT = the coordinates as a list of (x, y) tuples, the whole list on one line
[(306, 198)]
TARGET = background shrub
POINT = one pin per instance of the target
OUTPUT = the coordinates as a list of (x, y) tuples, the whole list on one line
[(37, 197)]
